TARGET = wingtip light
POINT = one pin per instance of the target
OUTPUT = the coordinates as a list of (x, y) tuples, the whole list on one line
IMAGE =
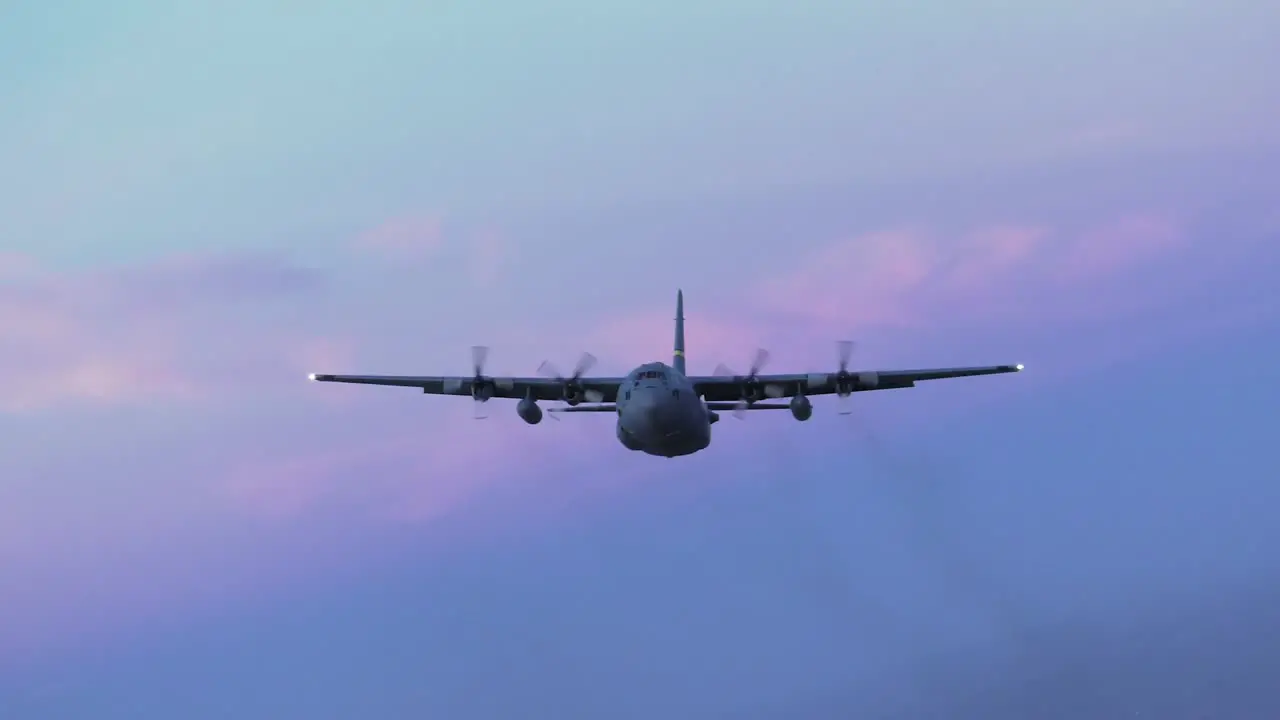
[(312, 377), (1019, 367)]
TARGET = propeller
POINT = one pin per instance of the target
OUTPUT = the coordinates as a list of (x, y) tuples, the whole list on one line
[(573, 391), (481, 386), (844, 380), (752, 391)]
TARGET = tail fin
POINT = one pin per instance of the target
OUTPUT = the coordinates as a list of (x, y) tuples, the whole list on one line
[(677, 361)]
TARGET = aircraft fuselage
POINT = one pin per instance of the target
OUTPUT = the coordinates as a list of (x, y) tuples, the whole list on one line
[(660, 413)]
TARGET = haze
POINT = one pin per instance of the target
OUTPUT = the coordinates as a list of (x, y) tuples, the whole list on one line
[(200, 203)]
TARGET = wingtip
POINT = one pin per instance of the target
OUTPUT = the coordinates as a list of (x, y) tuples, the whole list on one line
[(312, 377), (1019, 367)]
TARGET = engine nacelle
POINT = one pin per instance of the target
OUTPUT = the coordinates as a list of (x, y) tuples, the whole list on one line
[(573, 395), (625, 438), (529, 411), (801, 408), (868, 379)]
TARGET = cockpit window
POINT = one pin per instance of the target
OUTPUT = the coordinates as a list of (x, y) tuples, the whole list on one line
[(645, 375)]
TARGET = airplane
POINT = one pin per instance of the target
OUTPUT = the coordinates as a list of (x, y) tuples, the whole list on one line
[(661, 410)]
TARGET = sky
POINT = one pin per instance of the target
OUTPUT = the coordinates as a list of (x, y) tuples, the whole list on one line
[(201, 203)]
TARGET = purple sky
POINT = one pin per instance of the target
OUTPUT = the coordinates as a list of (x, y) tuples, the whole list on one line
[(190, 529)]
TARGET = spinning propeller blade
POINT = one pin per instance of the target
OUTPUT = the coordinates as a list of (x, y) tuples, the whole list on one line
[(480, 385), (844, 352), (749, 383), (571, 383)]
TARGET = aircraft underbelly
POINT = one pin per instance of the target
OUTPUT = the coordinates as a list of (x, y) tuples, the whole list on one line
[(683, 433)]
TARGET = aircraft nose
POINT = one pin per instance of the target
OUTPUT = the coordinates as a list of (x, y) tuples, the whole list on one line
[(652, 411), (661, 414)]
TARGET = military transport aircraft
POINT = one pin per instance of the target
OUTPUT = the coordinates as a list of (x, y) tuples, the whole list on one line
[(661, 410)]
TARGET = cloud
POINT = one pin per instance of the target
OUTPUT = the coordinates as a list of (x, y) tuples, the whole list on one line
[(402, 474), (1121, 244), (225, 338), (862, 281), (993, 252), (483, 252), (144, 334), (1002, 277), (175, 330), (192, 279), (214, 328), (408, 236), (1001, 273)]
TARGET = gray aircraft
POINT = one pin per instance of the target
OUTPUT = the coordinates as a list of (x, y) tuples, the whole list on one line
[(660, 410)]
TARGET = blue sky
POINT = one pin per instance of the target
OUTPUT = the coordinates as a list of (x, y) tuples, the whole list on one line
[(201, 204)]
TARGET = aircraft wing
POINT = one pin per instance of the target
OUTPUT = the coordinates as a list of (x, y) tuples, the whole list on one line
[(728, 388), (499, 387)]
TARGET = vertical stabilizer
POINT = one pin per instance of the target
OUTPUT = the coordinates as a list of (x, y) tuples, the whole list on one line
[(677, 361)]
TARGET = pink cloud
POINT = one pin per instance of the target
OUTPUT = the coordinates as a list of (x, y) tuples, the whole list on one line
[(1120, 244), (406, 466), (995, 251), (410, 478), (58, 357), (861, 280), (97, 339), (1020, 280), (918, 278), (411, 236), (296, 484), (378, 456), (140, 335), (483, 253)]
